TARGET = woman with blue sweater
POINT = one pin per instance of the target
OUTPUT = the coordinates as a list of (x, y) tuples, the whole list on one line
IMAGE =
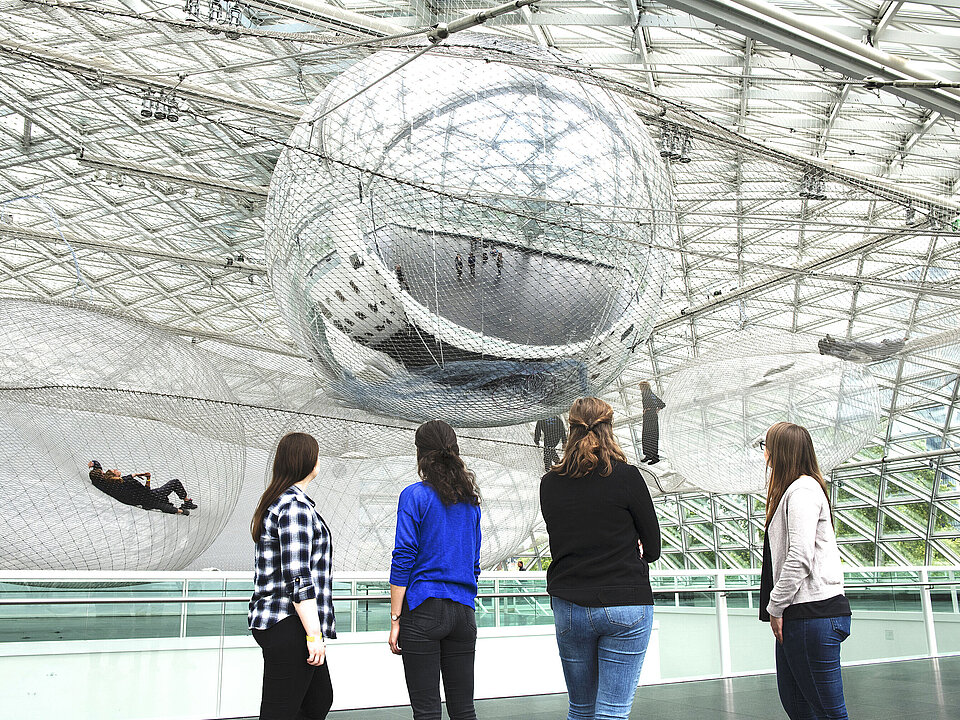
[(433, 578)]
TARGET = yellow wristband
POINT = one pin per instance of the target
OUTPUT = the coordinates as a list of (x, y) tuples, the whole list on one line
[(312, 638)]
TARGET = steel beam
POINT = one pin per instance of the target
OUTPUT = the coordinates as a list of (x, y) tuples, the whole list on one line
[(817, 44), (180, 258), (204, 182), (108, 71), (330, 15)]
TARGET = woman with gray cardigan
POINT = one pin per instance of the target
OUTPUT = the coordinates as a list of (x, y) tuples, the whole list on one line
[(801, 585)]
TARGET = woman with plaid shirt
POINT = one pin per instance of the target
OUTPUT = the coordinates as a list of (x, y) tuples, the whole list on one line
[(291, 611)]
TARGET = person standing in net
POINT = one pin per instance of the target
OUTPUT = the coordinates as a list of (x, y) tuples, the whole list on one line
[(291, 610), (603, 534), (401, 278), (499, 263), (650, 436), (458, 263), (554, 434), (472, 262), (433, 577)]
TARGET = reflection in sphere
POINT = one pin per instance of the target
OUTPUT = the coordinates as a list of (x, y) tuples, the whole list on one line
[(80, 385), (491, 261), (720, 406)]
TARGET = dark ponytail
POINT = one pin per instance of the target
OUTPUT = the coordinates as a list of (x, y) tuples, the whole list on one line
[(296, 458), (441, 467)]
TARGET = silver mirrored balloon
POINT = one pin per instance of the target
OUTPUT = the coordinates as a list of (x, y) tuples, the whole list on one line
[(468, 240)]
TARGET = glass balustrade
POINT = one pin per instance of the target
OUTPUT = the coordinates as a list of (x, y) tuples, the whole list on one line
[(195, 624)]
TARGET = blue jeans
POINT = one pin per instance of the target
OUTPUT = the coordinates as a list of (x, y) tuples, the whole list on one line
[(602, 650), (808, 668)]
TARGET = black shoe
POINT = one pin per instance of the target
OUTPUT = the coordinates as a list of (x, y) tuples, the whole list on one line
[(653, 462), (188, 505), (184, 511)]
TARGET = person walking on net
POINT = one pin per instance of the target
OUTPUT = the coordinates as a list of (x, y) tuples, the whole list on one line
[(554, 434), (433, 577), (650, 435), (801, 579), (291, 611), (603, 533)]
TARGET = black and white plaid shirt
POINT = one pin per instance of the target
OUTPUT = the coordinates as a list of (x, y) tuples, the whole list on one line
[(293, 563)]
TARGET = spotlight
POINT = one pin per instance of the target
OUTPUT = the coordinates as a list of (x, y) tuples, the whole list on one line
[(191, 9), (684, 158), (215, 16), (146, 106), (666, 141), (173, 111), (234, 19)]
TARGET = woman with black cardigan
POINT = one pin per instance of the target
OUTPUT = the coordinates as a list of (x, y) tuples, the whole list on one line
[(603, 532)]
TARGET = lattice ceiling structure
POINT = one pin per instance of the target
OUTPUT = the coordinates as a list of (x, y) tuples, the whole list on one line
[(816, 195)]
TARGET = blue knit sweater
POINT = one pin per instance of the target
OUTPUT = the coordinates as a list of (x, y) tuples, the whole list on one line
[(437, 550)]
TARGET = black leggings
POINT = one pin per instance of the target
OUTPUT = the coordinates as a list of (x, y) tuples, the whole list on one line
[(439, 636), (292, 689), (650, 436), (550, 457), (161, 495)]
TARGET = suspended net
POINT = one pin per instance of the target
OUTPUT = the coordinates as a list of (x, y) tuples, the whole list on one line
[(80, 385), (720, 406)]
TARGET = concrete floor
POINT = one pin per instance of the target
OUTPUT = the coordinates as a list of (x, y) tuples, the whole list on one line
[(908, 690)]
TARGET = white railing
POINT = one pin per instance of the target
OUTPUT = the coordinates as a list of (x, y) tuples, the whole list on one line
[(62, 633)]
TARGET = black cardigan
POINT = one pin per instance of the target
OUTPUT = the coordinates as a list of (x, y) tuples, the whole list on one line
[(594, 523)]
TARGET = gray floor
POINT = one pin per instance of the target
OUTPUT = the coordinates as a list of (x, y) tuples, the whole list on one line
[(909, 690)]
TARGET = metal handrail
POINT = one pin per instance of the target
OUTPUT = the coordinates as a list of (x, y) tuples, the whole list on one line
[(358, 598)]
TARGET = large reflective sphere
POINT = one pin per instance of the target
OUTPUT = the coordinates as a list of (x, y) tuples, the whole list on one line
[(720, 406), (468, 240)]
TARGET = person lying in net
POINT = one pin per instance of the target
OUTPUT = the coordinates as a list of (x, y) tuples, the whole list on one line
[(130, 491)]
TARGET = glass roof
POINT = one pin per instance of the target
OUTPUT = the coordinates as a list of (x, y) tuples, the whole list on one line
[(815, 195)]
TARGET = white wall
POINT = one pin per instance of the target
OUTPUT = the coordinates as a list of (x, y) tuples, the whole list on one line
[(178, 678)]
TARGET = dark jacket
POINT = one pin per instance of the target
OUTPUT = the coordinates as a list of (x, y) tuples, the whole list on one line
[(552, 430), (594, 523), (651, 403)]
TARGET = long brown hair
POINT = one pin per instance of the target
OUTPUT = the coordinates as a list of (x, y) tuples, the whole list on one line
[(791, 455), (296, 457), (590, 445), (441, 467)]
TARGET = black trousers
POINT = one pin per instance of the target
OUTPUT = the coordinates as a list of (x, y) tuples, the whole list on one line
[(292, 689), (161, 494), (650, 436), (439, 637), (550, 456)]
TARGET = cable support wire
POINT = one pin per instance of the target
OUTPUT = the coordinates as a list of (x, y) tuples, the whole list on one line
[(583, 72), (462, 433), (215, 27), (684, 251), (527, 216)]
